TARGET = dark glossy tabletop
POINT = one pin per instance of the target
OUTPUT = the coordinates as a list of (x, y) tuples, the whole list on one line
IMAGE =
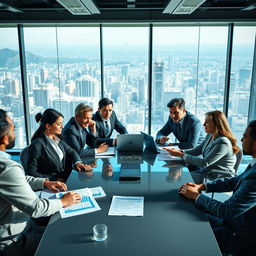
[(171, 224)]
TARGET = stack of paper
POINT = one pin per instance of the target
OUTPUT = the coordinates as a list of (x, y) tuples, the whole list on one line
[(109, 153), (127, 206)]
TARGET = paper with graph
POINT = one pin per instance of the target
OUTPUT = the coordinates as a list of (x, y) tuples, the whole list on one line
[(87, 204)]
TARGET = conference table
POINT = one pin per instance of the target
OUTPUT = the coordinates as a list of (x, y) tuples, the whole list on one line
[(171, 225)]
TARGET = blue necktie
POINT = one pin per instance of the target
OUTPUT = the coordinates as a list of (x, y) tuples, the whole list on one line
[(106, 128)]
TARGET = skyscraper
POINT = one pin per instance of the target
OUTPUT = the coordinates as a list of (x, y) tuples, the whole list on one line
[(44, 75), (157, 92)]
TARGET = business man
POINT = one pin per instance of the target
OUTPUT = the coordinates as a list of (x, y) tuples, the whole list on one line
[(106, 122), (233, 221), (81, 131), (186, 127), (18, 202)]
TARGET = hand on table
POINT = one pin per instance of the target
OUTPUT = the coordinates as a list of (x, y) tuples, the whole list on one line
[(55, 186), (85, 167), (191, 190), (163, 140), (174, 151), (71, 198)]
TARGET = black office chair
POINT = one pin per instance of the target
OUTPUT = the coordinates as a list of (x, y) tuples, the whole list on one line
[(24, 158), (215, 174)]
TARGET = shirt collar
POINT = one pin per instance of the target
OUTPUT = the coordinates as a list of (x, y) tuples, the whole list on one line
[(182, 120), (5, 155), (253, 162), (104, 119), (79, 126)]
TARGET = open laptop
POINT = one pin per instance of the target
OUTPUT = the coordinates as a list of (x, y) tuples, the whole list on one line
[(150, 143), (130, 143)]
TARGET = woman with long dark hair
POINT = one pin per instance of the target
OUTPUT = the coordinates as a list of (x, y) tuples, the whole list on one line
[(217, 151), (48, 155)]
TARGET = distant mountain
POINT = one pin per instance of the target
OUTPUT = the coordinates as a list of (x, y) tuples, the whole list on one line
[(10, 58)]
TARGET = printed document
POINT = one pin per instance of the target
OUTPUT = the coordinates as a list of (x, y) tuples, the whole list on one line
[(127, 206), (97, 192), (87, 204)]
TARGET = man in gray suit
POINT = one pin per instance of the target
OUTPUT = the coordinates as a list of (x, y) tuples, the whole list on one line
[(18, 235), (233, 221)]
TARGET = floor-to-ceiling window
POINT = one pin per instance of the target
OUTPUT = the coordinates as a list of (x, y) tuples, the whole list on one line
[(174, 70), (10, 82), (240, 79), (63, 69), (42, 70), (126, 74), (211, 69), (79, 68)]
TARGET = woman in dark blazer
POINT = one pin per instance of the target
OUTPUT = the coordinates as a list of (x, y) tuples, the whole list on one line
[(48, 155)]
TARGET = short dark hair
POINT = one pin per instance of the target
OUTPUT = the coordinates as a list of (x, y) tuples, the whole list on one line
[(4, 125), (3, 113), (180, 102), (252, 125), (104, 102)]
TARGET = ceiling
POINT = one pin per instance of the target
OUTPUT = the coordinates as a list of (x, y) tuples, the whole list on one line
[(118, 11)]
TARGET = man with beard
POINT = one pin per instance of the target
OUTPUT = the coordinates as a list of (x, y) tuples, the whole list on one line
[(18, 234), (233, 221)]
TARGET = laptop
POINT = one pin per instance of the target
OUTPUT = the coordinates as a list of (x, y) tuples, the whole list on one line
[(150, 143), (130, 143), (129, 171)]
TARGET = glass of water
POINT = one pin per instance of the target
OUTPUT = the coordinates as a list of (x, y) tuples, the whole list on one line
[(100, 232)]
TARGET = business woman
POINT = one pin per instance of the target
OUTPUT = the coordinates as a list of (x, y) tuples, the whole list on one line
[(217, 151), (48, 155)]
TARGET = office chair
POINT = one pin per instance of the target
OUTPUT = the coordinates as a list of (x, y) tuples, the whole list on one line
[(24, 158), (215, 174)]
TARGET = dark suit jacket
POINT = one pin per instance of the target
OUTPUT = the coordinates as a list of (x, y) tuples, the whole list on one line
[(115, 125), (72, 136), (43, 161), (189, 131), (239, 211)]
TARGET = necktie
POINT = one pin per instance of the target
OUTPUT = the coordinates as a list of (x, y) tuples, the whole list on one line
[(83, 137), (178, 128), (106, 128)]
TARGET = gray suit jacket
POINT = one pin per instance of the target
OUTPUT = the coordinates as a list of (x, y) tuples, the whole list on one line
[(18, 201), (215, 154)]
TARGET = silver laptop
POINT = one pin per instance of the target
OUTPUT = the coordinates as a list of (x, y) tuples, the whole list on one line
[(130, 142)]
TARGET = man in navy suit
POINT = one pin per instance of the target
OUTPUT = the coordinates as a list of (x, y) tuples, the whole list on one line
[(233, 221), (185, 126), (81, 131), (106, 122)]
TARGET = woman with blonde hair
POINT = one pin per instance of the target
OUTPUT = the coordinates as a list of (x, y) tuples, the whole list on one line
[(217, 151)]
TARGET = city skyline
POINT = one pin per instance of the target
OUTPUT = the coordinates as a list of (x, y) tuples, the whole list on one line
[(198, 77)]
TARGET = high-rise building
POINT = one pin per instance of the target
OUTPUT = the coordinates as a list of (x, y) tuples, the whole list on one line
[(42, 97), (157, 92), (244, 75), (44, 75), (86, 86)]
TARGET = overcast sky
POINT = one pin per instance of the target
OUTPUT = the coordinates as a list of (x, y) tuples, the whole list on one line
[(46, 37)]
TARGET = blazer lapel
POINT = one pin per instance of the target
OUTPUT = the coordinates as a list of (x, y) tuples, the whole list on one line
[(247, 171), (52, 152), (205, 149)]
